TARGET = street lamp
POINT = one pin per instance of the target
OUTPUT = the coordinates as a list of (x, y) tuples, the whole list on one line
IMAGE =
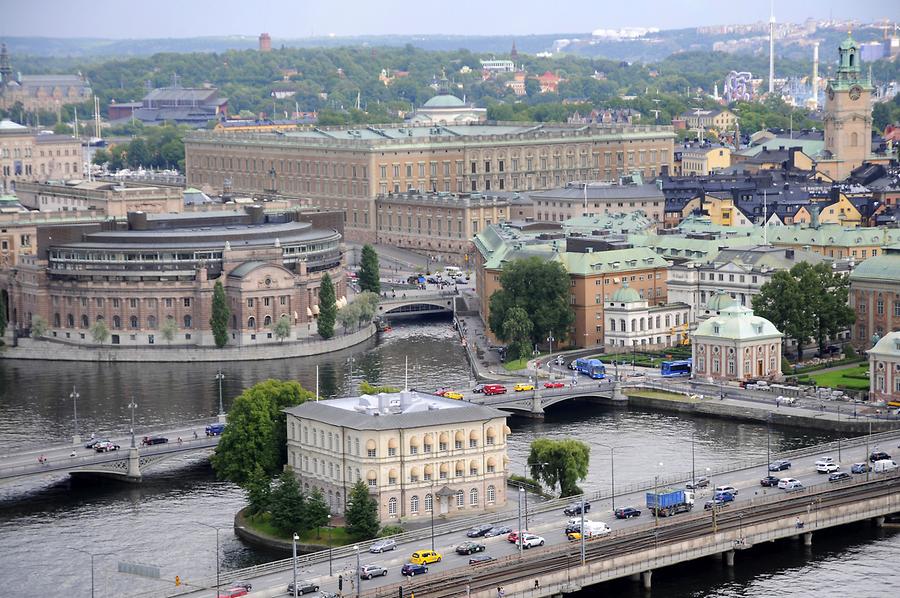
[(330, 545), (132, 405), (432, 515), (76, 439), (356, 549), (612, 471), (656, 492), (218, 568), (294, 539), (219, 377), (526, 491), (550, 340), (519, 533), (92, 555)]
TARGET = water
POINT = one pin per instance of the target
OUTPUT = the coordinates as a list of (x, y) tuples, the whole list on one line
[(160, 521)]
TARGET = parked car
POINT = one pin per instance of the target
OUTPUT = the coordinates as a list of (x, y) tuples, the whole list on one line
[(370, 571), (469, 548), (523, 386), (715, 503), (453, 395), (726, 488), (383, 545), (769, 481), (425, 557), (412, 569), (215, 429), (554, 384), (151, 440), (234, 592), (575, 508), (827, 468), (840, 476), (480, 559), (627, 513), (303, 587), (783, 482), (531, 540), (878, 456), (860, 468), (93, 442), (105, 447), (478, 389), (779, 465), (794, 485), (479, 530), (499, 530), (701, 482)]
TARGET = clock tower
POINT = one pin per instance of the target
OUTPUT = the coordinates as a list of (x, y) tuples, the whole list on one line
[(848, 115)]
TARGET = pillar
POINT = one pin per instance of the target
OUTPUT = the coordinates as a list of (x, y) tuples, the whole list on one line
[(134, 464), (635, 577), (879, 521), (807, 539), (536, 408), (729, 558), (222, 418), (645, 577), (617, 394)]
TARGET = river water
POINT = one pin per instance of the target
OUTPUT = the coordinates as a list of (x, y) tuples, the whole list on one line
[(159, 521)]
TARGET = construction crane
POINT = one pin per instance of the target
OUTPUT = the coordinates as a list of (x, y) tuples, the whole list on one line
[(681, 334)]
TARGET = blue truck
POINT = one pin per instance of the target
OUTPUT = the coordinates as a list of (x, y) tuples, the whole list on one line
[(670, 502)]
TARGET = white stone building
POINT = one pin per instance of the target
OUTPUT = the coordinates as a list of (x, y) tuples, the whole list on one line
[(736, 345), (884, 368), (631, 322)]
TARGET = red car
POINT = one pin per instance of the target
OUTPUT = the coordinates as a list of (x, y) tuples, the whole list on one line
[(513, 536), (233, 593), (554, 384), (441, 391)]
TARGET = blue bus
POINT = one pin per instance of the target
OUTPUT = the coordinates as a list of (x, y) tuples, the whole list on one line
[(591, 367), (674, 369)]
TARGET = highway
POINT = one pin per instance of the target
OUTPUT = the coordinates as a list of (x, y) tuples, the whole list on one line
[(551, 524)]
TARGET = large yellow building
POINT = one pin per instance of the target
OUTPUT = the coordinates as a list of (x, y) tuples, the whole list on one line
[(704, 159), (719, 207)]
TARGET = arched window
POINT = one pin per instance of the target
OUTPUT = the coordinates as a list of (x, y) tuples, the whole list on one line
[(251, 323), (56, 320), (267, 321), (392, 506), (414, 505), (491, 494), (633, 325), (84, 321), (100, 318), (134, 322), (473, 497), (854, 139), (622, 325), (188, 321), (151, 322), (460, 498), (429, 503), (117, 322)]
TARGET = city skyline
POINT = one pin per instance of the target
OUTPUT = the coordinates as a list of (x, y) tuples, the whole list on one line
[(291, 20)]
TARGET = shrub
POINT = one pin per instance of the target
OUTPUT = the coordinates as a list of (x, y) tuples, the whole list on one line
[(390, 530)]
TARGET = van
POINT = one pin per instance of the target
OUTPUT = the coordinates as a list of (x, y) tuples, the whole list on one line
[(494, 389), (595, 528), (884, 465), (215, 429)]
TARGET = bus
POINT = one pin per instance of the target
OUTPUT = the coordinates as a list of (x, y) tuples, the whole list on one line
[(673, 369), (591, 367)]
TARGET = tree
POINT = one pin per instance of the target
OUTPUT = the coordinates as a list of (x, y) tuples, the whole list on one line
[(327, 307), (317, 511), (517, 331), (830, 292), (559, 461), (62, 129), (259, 490), (348, 315), (168, 329), (288, 505), (3, 320), (367, 389), (780, 301), (99, 332), (361, 514), (369, 274), (218, 321), (282, 328), (367, 306), (101, 157), (38, 327), (256, 430), (541, 289)]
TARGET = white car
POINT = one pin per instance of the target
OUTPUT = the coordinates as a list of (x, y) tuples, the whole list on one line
[(783, 483), (577, 521), (884, 465), (531, 540), (824, 461), (827, 467), (794, 485), (728, 489)]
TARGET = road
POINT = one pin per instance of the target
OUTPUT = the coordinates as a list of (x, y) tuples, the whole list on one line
[(550, 525)]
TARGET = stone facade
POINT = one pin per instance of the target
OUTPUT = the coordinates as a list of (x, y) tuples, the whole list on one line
[(28, 156), (109, 199), (875, 296), (631, 322), (884, 368), (736, 346), (598, 199), (415, 452)]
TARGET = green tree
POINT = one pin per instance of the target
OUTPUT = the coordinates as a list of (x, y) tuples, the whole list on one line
[(367, 306), (168, 329), (282, 328), (259, 490), (348, 315), (101, 157), (361, 513), (62, 129), (317, 511), (539, 287), (38, 327), (830, 294), (368, 389), (369, 274), (559, 461), (139, 153), (3, 320), (218, 321), (781, 302), (256, 430), (99, 332), (517, 332), (327, 307), (287, 505)]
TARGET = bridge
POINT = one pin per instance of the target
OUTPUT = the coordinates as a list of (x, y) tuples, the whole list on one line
[(412, 303), (127, 463), (533, 402)]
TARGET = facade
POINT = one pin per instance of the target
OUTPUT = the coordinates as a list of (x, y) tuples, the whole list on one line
[(718, 120), (703, 160), (875, 296), (736, 346), (39, 92), (438, 224), (498, 66), (265, 42), (182, 105), (26, 155), (420, 455), (884, 368), (720, 208), (598, 199), (346, 168), (101, 197), (631, 322), (157, 273)]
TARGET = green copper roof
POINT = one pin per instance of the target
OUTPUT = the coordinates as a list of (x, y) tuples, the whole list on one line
[(444, 101), (881, 267), (719, 301), (848, 43), (833, 234), (737, 323), (626, 295)]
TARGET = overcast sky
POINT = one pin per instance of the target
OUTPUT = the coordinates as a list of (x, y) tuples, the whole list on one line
[(301, 18)]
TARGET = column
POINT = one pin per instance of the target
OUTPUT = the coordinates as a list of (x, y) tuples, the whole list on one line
[(729, 558), (645, 578)]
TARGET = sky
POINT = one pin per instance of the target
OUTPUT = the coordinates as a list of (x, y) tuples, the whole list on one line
[(302, 18)]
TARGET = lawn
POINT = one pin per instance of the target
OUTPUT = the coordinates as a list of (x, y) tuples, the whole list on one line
[(336, 536), (854, 378), (520, 364)]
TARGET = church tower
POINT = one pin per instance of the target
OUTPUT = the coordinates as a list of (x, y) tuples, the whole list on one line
[(848, 114)]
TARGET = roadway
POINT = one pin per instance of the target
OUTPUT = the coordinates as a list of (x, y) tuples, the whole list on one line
[(550, 524)]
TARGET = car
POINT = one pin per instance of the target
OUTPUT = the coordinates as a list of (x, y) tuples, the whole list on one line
[(215, 429), (575, 508), (303, 587), (839, 476), (233, 592), (469, 548), (324, 594), (627, 513), (442, 391), (242, 584), (478, 389), (554, 384), (452, 394), (412, 569), (479, 530), (425, 557), (94, 441), (769, 481), (497, 531), (523, 386), (824, 461), (578, 521), (575, 526), (494, 389), (480, 559), (794, 485), (878, 456), (513, 536), (151, 440), (783, 482), (370, 571), (884, 466), (571, 365), (827, 468), (779, 465), (383, 545), (724, 496), (573, 536), (715, 503), (531, 540), (860, 468), (701, 482), (728, 489), (105, 447)]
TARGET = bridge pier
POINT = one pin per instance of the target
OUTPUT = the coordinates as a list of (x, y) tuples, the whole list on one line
[(536, 410), (879, 521), (134, 464), (645, 578), (807, 539), (729, 558), (617, 394)]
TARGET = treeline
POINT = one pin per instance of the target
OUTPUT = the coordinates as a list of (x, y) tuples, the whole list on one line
[(151, 147)]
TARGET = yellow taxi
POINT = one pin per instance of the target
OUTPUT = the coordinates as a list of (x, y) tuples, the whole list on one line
[(523, 386), (453, 395), (425, 557), (573, 536)]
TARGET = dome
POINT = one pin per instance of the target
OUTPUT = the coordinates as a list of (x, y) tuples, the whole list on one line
[(848, 43), (737, 322), (444, 101), (719, 301), (626, 295)]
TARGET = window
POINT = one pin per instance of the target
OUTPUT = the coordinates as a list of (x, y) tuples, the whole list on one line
[(429, 503), (473, 471), (187, 301), (392, 451), (427, 448), (460, 499), (370, 453), (414, 505), (473, 497), (458, 444), (413, 450), (473, 443), (442, 446), (373, 483), (491, 494), (392, 480), (392, 503), (879, 305)]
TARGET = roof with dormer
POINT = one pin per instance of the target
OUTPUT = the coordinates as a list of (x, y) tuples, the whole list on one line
[(737, 322)]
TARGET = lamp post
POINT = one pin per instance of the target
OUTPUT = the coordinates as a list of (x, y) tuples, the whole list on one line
[(356, 549), (218, 568), (432, 515), (519, 533), (612, 471), (219, 377), (550, 340), (526, 492), (582, 529), (693, 476), (768, 443), (294, 539), (132, 405), (330, 545), (92, 555), (656, 511), (76, 439)]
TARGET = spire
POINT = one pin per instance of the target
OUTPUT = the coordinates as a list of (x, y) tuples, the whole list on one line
[(514, 53), (5, 67)]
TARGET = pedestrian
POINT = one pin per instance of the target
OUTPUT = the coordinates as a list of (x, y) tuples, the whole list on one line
[(500, 592), (537, 584), (195, 434), (179, 440)]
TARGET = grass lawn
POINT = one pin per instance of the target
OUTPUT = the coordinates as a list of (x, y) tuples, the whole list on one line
[(656, 394), (336, 536), (520, 364), (840, 378)]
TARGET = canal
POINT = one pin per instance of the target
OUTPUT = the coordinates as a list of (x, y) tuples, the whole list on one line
[(159, 521)]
